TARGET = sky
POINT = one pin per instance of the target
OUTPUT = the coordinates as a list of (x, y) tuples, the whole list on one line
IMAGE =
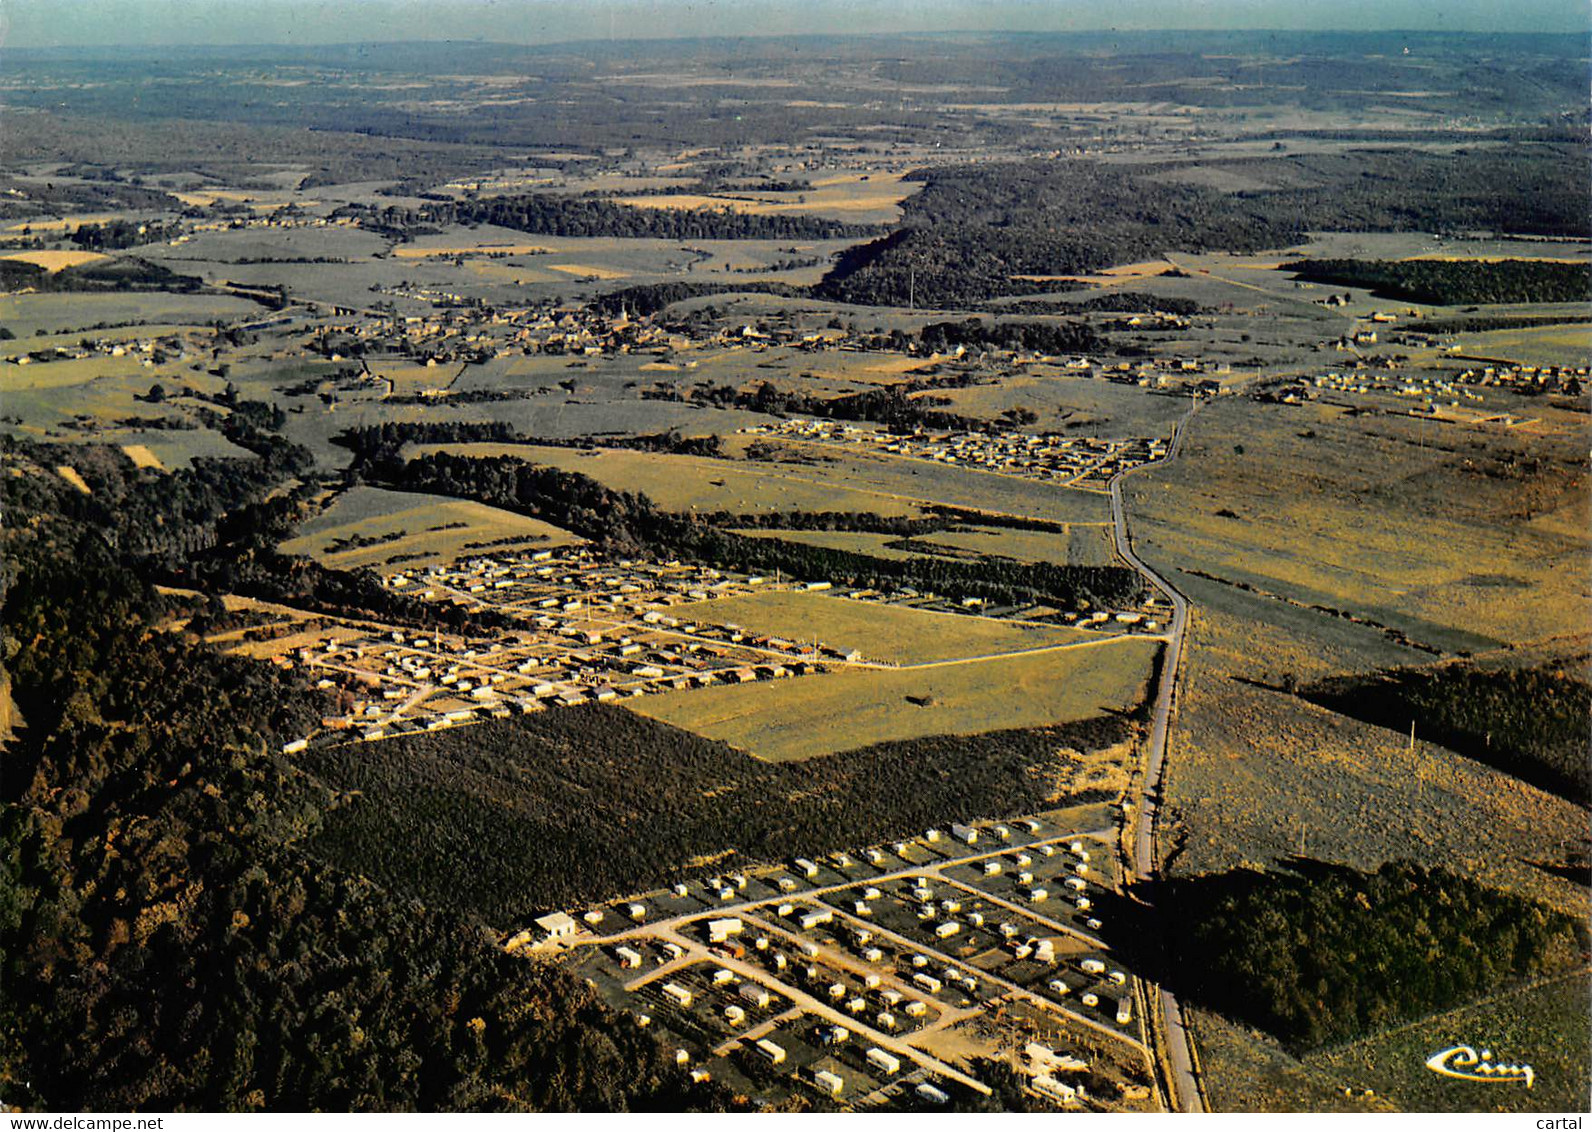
[(56, 23)]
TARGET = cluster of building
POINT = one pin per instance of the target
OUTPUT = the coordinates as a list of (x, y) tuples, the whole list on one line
[(585, 629), (1454, 396), (1074, 461), (271, 216), (588, 631), (853, 977), (1427, 387), (1569, 380), (147, 352)]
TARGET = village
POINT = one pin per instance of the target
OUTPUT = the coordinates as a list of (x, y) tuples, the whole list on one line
[(889, 977), (586, 630), (1453, 397), (1071, 461)]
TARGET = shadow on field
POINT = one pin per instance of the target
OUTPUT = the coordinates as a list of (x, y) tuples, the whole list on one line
[(1315, 952)]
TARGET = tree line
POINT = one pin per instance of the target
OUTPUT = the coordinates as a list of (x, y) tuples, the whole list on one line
[(546, 214), (649, 298), (1318, 953), (114, 235), (1453, 282), (1032, 337)]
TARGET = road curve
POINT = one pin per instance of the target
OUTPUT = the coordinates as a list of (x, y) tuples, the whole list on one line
[(1183, 1085)]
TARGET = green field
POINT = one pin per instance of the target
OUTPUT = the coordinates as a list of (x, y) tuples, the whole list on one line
[(1073, 405), (1545, 1026), (1562, 345), (817, 715), (66, 373), (893, 634), (932, 481), (1082, 544), (685, 483), (414, 528), (25, 315)]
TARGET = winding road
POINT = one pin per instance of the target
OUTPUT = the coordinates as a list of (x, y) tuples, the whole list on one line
[(1183, 1084)]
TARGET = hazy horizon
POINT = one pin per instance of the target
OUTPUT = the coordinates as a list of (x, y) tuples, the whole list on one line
[(187, 23)]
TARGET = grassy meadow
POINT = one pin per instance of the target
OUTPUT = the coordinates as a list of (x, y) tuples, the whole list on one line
[(684, 483), (892, 634), (1462, 539), (819, 715), (413, 529)]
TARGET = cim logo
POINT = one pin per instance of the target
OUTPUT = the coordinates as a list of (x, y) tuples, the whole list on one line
[(1465, 1064)]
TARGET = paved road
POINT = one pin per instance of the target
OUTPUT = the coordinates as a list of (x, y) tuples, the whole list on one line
[(1183, 1086)]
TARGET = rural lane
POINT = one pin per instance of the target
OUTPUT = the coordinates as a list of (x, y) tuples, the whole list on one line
[(1184, 1084)]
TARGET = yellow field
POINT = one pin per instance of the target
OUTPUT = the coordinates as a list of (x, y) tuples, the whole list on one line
[(208, 197), (418, 529), (893, 634), (845, 195), (57, 260), (684, 483), (1452, 559), (71, 476), (589, 269), (868, 368), (1250, 766), (818, 715), (65, 223), (140, 455), (1125, 273), (924, 481)]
